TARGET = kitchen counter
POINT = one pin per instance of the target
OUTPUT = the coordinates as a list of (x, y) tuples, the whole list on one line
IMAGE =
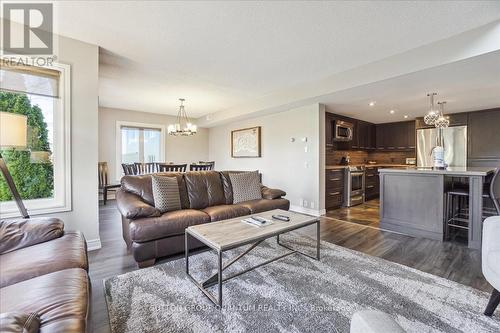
[(336, 166), (450, 171), (412, 201)]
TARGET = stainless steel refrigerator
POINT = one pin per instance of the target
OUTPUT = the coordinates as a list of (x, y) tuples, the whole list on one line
[(455, 145)]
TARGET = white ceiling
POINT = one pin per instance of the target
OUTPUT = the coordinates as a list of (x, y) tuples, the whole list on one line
[(468, 85), (219, 55)]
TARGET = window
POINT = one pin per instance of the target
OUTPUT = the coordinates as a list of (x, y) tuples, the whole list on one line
[(41, 171), (140, 144), (137, 142)]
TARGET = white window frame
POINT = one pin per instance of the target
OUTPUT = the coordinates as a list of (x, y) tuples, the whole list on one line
[(61, 155), (119, 125)]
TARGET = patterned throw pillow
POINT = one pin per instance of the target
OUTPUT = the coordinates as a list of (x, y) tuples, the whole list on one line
[(246, 186), (166, 193)]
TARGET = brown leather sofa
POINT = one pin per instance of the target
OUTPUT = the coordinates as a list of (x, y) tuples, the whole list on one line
[(43, 270), (206, 196)]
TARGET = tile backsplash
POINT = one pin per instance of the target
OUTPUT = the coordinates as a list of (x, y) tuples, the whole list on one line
[(362, 157)]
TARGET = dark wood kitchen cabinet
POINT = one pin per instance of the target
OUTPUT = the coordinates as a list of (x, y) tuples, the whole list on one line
[(328, 130), (334, 188), (395, 136), (366, 135), (372, 183), (380, 136), (484, 137)]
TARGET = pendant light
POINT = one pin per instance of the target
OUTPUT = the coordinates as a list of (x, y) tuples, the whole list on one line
[(442, 121), (433, 114)]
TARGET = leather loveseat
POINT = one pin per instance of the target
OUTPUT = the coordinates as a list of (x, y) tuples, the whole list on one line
[(43, 273), (206, 196)]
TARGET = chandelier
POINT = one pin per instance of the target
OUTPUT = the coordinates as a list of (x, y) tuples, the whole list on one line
[(442, 121), (433, 114), (183, 127)]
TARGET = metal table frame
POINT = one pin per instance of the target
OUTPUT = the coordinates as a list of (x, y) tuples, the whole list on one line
[(218, 279)]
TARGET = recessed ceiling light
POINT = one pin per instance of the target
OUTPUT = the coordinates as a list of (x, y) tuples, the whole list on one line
[(372, 103), (405, 116), (392, 112)]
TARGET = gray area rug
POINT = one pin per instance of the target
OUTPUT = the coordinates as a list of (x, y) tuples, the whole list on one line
[(294, 294)]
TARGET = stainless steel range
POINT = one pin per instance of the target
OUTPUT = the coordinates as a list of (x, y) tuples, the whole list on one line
[(354, 188)]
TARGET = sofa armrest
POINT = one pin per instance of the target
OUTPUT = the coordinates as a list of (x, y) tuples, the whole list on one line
[(271, 193), (132, 207), (17, 234), (11, 322)]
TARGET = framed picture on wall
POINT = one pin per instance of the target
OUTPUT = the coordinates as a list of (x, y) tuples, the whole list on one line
[(245, 142)]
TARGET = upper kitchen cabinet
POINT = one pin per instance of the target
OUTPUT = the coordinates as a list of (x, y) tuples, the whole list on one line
[(396, 136), (365, 135), (368, 136), (380, 136), (328, 130), (484, 135)]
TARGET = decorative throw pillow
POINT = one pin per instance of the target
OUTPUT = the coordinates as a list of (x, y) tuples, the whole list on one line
[(166, 193), (246, 186), (19, 322)]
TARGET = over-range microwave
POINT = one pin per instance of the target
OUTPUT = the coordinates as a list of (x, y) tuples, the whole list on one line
[(343, 130)]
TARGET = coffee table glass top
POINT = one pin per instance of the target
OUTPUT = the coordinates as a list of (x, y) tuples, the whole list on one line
[(230, 233)]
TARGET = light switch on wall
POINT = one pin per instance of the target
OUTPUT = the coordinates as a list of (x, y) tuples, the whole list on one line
[(306, 149)]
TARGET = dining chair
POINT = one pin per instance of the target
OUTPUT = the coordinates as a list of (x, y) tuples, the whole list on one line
[(165, 167), (129, 169), (104, 186), (212, 164), (144, 168), (200, 167)]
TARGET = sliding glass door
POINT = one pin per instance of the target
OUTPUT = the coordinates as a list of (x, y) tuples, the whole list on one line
[(140, 144), (151, 143)]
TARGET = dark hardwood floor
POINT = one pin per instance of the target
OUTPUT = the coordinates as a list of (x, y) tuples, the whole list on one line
[(364, 214), (453, 261)]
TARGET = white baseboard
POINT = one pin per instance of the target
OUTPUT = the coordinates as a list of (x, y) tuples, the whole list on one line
[(94, 244), (308, 211)]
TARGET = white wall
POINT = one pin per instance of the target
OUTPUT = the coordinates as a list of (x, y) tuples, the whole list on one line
[(284, 164), (84, 61), (177, 149), (322, 157)]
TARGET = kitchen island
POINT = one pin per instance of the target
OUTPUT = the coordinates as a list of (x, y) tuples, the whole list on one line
[(412, 200)]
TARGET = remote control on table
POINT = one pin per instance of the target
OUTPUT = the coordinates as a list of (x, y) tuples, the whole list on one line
[(260, 219), (281, 218)]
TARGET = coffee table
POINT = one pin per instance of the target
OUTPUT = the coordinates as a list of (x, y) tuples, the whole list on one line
[(229, 234)]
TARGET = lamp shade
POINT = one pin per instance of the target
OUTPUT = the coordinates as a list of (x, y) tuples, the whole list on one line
[(13, 130)]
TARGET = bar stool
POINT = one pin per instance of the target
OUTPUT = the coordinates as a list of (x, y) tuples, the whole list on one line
[(457, 203)]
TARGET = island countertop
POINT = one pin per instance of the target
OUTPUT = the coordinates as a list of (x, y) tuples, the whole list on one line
[(451, 171)]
